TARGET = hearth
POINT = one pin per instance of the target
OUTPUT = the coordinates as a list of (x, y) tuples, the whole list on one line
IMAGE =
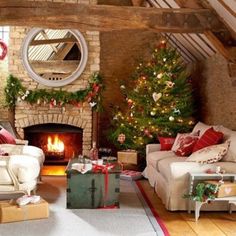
[(59, 142)]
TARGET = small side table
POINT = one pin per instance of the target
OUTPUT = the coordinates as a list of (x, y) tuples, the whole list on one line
[(204, 176)]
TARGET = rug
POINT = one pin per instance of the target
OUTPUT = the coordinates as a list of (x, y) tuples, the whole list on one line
[(130, 219)]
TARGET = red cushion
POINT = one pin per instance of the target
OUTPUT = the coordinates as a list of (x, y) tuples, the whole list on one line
[(166, 143), (6, 137), (184, 144), (210, 137)]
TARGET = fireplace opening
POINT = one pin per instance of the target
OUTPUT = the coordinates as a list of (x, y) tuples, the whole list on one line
[(59, 142)]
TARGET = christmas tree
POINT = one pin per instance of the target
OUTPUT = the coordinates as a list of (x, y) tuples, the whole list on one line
[(160, 103)]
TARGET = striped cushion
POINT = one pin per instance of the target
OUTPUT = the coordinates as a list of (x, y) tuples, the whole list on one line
[(210, 137), (6, 137)]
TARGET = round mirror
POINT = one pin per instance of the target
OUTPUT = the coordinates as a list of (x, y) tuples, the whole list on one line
[(54, 57)]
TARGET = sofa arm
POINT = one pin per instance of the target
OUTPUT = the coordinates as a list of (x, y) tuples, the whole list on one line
[(152, 148)]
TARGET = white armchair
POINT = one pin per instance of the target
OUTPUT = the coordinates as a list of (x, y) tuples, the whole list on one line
[(18, 174), (20, 170)]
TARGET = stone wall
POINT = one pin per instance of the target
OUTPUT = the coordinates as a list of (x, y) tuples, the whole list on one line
[(215, 93), (28, 115)]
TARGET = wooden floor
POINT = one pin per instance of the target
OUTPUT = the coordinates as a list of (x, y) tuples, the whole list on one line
[(183, 224)]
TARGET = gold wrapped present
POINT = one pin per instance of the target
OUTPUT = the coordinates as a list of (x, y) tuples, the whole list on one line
[(128, 156), (227, 189), (11, 212)]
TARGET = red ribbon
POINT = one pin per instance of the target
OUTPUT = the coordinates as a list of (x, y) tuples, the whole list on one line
[(104, 169)]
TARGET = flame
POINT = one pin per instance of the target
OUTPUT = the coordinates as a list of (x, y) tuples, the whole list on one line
[(55, 145)]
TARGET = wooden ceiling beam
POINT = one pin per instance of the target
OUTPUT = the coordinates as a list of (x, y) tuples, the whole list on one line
[(105, 18), (188, 4), (53, 41), (63, 51), (137, 3)]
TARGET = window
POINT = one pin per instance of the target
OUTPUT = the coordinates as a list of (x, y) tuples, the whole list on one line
[(4, 33)]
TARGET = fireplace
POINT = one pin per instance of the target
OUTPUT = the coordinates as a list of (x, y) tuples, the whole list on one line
[(60, 142)]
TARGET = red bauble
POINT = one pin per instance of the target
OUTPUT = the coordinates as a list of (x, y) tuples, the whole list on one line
[(79, 105), (96, 88), (130, 102), (53, 103), (162, 44)]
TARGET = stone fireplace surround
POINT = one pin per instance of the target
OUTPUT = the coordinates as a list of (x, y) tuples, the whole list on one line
[(27, 115), (77, 121)]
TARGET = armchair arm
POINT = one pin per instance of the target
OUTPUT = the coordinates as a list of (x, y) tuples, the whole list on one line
[(152, 148)]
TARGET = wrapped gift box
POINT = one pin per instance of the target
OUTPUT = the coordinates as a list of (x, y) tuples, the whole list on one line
[(131, 175), (127, 157), (11, 212), (227, 189)]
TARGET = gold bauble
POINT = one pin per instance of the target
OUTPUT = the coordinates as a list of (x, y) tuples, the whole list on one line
[(153, 113)]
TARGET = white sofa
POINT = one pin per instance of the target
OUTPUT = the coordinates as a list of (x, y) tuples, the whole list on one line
[(20, 170), (169, 174)]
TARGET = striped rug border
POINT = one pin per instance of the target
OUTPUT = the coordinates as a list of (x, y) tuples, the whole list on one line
[(160, 227)]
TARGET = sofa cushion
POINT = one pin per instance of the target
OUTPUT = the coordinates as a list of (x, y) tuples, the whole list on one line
[(231, 154), (209, 154), (210, 137), (166, 143), (154, 157), (165, 166), (184, 143), (200, 128), (227, 132)]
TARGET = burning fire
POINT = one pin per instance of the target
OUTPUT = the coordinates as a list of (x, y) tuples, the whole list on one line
[(55, 145)]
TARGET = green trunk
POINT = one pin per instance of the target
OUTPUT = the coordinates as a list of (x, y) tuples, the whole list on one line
[(88, 190)]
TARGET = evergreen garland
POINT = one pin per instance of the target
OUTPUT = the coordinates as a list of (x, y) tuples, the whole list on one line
[(15, 91)]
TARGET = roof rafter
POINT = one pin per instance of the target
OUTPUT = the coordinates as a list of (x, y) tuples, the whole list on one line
[(225, 51), (105, 18)]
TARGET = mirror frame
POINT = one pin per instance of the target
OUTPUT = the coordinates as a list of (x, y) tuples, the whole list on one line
[(52, 83)]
